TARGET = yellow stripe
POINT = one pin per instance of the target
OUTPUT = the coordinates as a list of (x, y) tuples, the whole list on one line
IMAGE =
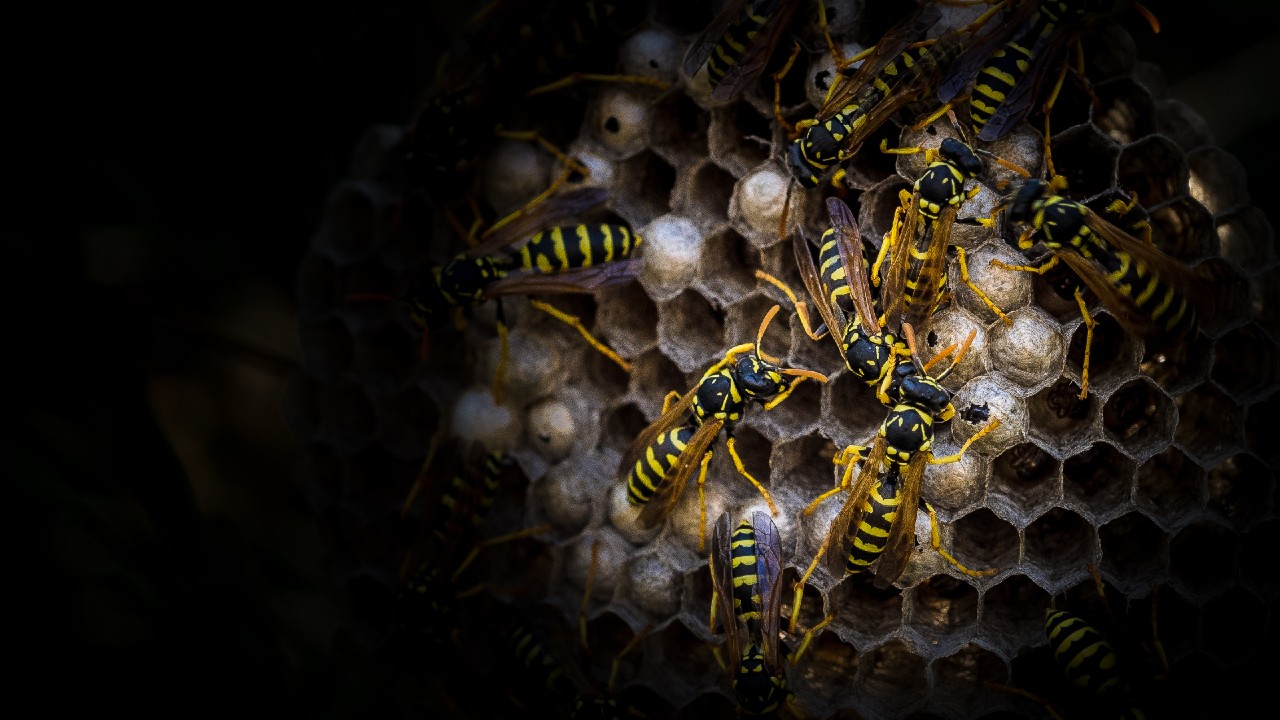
[(584, 244), (557, 235)]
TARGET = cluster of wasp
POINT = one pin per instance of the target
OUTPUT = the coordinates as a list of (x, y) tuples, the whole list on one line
[(968, 84)]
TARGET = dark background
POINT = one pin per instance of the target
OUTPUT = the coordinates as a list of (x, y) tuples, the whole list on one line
[(169, 171)]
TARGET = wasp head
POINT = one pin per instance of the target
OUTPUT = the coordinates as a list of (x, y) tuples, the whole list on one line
[(800, 167), (961, 156), (923, 392), (758, 378)]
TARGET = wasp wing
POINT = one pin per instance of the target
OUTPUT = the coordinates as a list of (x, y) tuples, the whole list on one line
[(753, 60), (706, 42), (933, 268), (672, 487), (901, 540), (849, 243), (582, 280), (527, 221), (831, 314), (769, 583), (722, 578), (992, 36), (666, 421), (840, 535), (1020, 100), (893, 289)]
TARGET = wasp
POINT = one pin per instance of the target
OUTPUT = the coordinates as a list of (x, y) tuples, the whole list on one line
[(550, 656), (840, 289), (1004, 70), (896, 72), (737, 44), (877, 520), (747, 566), (579, 258), (1148, 292), (663, 456)]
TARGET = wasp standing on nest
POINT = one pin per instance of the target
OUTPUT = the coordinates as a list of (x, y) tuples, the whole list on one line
[(1148, 292), (746, 566), (661, 459), (580, 258), (878, 518)]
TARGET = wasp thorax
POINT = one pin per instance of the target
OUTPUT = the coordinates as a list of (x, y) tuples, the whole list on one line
[(1029, 195), (465, 278)]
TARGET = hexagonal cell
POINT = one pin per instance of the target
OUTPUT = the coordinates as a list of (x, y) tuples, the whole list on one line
[(350, 420), (828, 668), (705, 196), (563, 496), (1125, 112), (691, 331), (1025, 480), (1231, 623), (877, 206), (680, 129), (983, 541), (865, 615), (1182, 124), (1246, 238), (960, 680), (798, 413), (1210, 425), (1139, 419), (744, 319), (1183, 229), (621, 118), (1154, 169), (1247, 364), (1112, 358), (1239, 490), (1133, 552), (1202, 558), (1170, 487), (1061, 420), (626, 319), (1057, 545), (1030, 348), (739, 137), (1257, 560), (758, 202), (951, 328), (332, 335), (1217, 180), (1098, 481), (652, 586), (672, 246), (650, 182), (850, 411), (953, 486), (942, 612), (727, 264), (1224, 296), (1002, 402), (891, 680), (1266, 298), (1097, 173)]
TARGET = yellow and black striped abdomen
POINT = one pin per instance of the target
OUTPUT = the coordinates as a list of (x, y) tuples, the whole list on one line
[(466, 502), (832, 272), (1084, 654), (879, 513), (994, 82), (1155, 297), (577, 246), (655, 463), (743, 564), (738, 36)]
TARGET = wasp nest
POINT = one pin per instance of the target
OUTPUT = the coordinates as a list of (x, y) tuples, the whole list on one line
[(1160, 477)]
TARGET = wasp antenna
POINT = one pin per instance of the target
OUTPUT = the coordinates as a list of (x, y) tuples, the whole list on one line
[(764, 325)]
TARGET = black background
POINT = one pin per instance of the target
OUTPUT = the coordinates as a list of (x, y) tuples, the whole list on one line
[(211, 135)]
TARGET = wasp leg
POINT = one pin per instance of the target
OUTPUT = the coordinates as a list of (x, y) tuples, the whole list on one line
[(617, 659), (702, 496), (518, 534), (794, 658), (801, 306), (889, 241), (955, 457), (777, 89), (576, 324), (500, 374), (935, 541), (580, 77), (964, 275), (737, 463), (848, 458), (1089, 325)]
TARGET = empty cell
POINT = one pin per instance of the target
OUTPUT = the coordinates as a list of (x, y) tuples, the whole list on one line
[(1134, 552), (1085, 157), (1217, 179), (1113, 357), (1245, 237), (727, 266), (865, 615), (983, 541), (891, 679), (828, 668), (1098, 481), (1170, 487), (652, 181), (1246, 364), (739, 137), (1138, 418), (1154, 169), (653, 375), (1058, 545), (692, 332), (1239, 490), (705, 199), (1025, 481), (1202, 558), (1062, 419), (1257, 560), (1210, 425), (1012, 614), (1232, 625), (960, 680), (850, 411), (942, 609), (1125, 111), (799, 413)]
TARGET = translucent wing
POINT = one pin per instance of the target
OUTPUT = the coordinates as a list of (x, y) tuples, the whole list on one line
[(849, 242), (933, 270), (722, 578), (573, 280), (669, 491), (1022, 98), (753, 60), (666, 421), (901, 541), (706, 42), (893, 289), (832, 315), (991, 37), (839, 535), (769, 566)]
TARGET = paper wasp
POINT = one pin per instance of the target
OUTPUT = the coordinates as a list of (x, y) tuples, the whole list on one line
[(1148, 292), (737, 44), (580, 258), (841, 291), (746, 566), (662, 457), (898, 71), (877, 520)]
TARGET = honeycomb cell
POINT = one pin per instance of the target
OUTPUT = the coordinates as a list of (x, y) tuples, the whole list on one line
[(680, 663), (799, 413), (652, 585), (726, 267), (1246, 239), (1230, 630), (564, 495), (691, 331), (1012, 615), (652, 52), (739, 138), (821, 73), (891, 680), (850, 411), (672, 244), (960, 680), (1153, 168), (550, 429), (1246, 364), (1113, 357), (1025, 481), (1229, 301), (1057, 546), (1183, 230), (954, 486), (626, 320), (705, 198), (513, 172), (1097, 482), (623, 515), (680, 130), (866, 616), (1004, 403), (877, 207), (1125, 112), (744, 318), (941, 614), (1217, 179), (1210, 425), (652, 181), (1182, 124), (1138, 418), (1061, 419), (1202, 558), (1257, 560), (349, 419), (1029, 349), (758, 200), (828, 668), (331, 334), (1170, 487), (621, 118), (1133, 552), (1239, 490), (1087, 159)]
